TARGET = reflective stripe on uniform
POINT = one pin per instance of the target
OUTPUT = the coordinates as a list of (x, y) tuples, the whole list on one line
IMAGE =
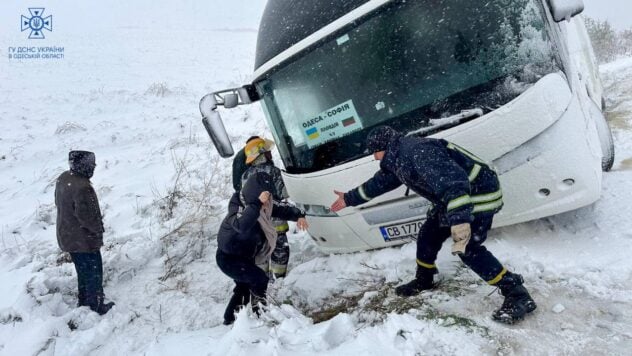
[(484, 198), (459, 202), (465, 152), (474, 172), (483, 202), (363, 193), (498, 277), (479, 208), (282, 228), (278, 269), (426, 265)]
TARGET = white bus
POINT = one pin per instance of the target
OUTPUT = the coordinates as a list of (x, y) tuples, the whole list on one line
[(513, 81)]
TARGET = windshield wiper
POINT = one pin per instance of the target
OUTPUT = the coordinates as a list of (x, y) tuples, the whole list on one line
[(436, 124)]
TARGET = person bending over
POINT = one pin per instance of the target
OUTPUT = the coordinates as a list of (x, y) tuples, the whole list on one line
[(465, 194), (247, 237)]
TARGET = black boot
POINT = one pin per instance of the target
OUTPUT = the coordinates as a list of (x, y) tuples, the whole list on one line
[(422, 281), (517, 302), (96, 303), (102, 307), (240, 298)]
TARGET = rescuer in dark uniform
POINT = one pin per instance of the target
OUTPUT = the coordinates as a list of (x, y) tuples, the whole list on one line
[(465, 193)]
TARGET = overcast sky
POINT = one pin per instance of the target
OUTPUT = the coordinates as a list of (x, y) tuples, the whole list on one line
[(618, 12), (83, 17), (77, 17)]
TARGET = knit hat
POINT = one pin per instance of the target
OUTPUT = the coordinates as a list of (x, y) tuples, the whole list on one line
[(380, 137), (82, 163)]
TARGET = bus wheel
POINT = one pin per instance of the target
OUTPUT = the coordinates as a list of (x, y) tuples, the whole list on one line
[(607, 143)]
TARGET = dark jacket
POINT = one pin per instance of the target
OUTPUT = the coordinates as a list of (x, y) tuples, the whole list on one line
[(239, 167), (279, 192), (240, 234), (455, 181), (79, 220)]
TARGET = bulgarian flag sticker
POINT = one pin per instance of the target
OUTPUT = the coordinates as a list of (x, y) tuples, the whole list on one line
[(348, 122)]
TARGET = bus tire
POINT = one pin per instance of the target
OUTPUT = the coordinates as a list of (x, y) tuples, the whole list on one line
[(607, 143)]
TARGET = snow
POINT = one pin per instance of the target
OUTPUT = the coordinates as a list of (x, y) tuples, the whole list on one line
[(137, 109), (436, 123), (558, 308), (565, 9)]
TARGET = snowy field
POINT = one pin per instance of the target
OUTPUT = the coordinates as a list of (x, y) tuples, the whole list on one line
[(163, 191)]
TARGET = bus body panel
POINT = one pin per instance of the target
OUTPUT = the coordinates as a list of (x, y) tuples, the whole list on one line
[(333, 234), (583, 58)]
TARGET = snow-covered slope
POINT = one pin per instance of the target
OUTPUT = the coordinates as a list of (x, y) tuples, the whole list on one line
[(163, 190)]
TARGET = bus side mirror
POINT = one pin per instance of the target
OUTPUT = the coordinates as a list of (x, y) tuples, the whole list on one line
[(565, 9), (214, 126), (231, 100)]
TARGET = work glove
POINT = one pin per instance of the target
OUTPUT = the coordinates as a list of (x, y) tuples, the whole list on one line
[(461, 235)]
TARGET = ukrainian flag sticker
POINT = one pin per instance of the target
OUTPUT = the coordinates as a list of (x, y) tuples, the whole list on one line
[(312, 133)]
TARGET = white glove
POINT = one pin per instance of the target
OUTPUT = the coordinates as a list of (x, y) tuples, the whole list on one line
[(461, 235)]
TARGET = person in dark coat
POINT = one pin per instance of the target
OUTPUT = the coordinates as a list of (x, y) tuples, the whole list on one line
[(259, 159), (80, 228), (246, 237), (465, 193)]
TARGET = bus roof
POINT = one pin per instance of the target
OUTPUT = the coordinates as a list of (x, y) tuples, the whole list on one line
[(286, 22)]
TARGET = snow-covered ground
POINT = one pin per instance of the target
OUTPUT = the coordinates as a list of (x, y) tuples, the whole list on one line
[(163, 191)]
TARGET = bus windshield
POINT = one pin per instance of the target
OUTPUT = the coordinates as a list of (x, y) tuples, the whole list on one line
[(405, 64)]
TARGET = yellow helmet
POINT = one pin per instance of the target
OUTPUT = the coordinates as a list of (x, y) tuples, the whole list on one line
[(256, 147)]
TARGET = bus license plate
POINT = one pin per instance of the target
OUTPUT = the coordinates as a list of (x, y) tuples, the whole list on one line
[(401, 231)]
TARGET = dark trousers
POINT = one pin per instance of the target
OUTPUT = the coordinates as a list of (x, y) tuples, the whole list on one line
[(89, 268), (249, 280), (432, 236)]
